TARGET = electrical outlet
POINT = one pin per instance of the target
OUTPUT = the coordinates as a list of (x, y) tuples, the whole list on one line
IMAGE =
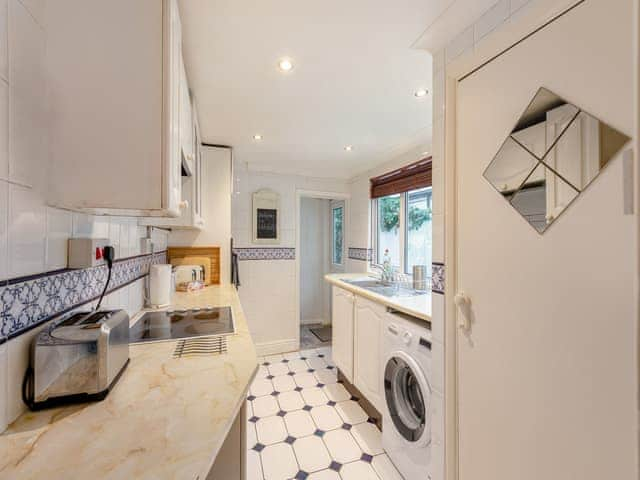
[(86, 252)]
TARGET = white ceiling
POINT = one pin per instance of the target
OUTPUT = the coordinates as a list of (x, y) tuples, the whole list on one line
[(353, 82)]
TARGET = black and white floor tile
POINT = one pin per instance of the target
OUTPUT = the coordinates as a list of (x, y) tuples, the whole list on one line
[(304, 425)]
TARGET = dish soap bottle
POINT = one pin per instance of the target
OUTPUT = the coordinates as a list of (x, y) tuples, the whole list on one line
[(387, 268)]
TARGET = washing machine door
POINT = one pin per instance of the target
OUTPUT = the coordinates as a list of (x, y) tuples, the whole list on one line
[(408, 396)]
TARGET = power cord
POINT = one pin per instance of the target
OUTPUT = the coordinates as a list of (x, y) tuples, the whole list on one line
[(109, 254)]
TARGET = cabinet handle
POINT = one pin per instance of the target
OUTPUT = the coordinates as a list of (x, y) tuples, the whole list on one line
[(463, 302), (184, 204)]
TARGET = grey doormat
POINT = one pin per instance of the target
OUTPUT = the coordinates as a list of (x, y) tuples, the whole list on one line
[(323, 333)]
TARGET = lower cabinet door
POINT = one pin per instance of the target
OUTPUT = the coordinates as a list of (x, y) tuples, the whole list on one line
[(342, 325), (368, 350)]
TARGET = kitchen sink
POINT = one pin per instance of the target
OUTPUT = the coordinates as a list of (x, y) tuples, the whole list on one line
[(376, 286)]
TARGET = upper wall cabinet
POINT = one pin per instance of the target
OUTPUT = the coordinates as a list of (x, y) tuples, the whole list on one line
[(190, 216), (115, 92), (187, 141), (27, 99)]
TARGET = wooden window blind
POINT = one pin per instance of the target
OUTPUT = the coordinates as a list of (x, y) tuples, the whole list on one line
[(410, 177)]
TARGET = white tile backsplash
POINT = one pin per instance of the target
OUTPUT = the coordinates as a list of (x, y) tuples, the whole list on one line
[(114, 236), (82, 225), (4, 129), (100, 227), (4, 218), (27, 231), (4, 370), (59, 226)]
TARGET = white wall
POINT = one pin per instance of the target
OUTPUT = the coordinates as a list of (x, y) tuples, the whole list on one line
[(216, 209), (315, 248), (268, 286)]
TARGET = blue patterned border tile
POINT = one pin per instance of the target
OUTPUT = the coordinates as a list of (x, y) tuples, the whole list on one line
[(265, 253), (363, 254), (28, 303), (437, 278)]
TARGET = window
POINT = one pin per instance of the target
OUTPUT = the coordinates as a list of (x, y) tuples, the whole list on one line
[(401, 218), (388, 231), (418, 229), (337, 223), (402, 229)]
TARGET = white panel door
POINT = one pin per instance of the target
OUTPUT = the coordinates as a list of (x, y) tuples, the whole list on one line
[(547, 382), (342, 332), (367, 349)]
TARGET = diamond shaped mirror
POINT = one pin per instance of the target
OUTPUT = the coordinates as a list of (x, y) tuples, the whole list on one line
[(553, 153)]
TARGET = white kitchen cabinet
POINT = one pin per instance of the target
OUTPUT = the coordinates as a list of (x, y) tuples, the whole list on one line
[(114, 90), (27, 100), (198, 219), (190, 216), (342, 312), (367, 350), (187, 141)]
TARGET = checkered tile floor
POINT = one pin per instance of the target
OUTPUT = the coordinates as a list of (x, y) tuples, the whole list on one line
[(304, 425)]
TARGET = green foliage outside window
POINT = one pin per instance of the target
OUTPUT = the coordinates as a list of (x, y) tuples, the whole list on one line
[(337, 235), (389, 214)]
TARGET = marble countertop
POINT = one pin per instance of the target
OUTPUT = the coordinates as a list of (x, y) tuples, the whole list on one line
[(418, 306), (166, 418)]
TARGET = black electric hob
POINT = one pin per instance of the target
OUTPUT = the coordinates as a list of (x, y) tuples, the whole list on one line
[(174, 324)]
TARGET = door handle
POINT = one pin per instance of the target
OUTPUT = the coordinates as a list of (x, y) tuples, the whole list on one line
[(463, 302)]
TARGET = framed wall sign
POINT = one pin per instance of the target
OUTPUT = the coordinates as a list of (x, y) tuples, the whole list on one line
[(266, 217)]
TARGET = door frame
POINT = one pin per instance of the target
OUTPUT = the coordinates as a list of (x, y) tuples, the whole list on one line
[(323, 195)]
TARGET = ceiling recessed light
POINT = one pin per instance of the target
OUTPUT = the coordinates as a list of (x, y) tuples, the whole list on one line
[(257, 137), (348, 148), (285, 64), (421, 93)]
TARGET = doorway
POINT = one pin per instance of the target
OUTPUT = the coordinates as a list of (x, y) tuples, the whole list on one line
[(321, 250)]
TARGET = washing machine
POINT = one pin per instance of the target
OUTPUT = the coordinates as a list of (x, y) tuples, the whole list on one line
[(406, 420)]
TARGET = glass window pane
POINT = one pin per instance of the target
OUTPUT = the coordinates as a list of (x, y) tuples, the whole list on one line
[(338, 222), (418, 225), (388, 234)]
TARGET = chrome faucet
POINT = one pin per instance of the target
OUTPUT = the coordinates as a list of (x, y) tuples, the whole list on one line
[(386, 277)]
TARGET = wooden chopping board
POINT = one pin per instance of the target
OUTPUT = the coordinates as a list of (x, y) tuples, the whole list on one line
[(208, 257)]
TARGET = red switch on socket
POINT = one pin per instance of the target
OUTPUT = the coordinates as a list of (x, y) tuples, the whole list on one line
[(99, 253)]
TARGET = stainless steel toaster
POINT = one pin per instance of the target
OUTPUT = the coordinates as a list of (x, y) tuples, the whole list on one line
[(78, 358)]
